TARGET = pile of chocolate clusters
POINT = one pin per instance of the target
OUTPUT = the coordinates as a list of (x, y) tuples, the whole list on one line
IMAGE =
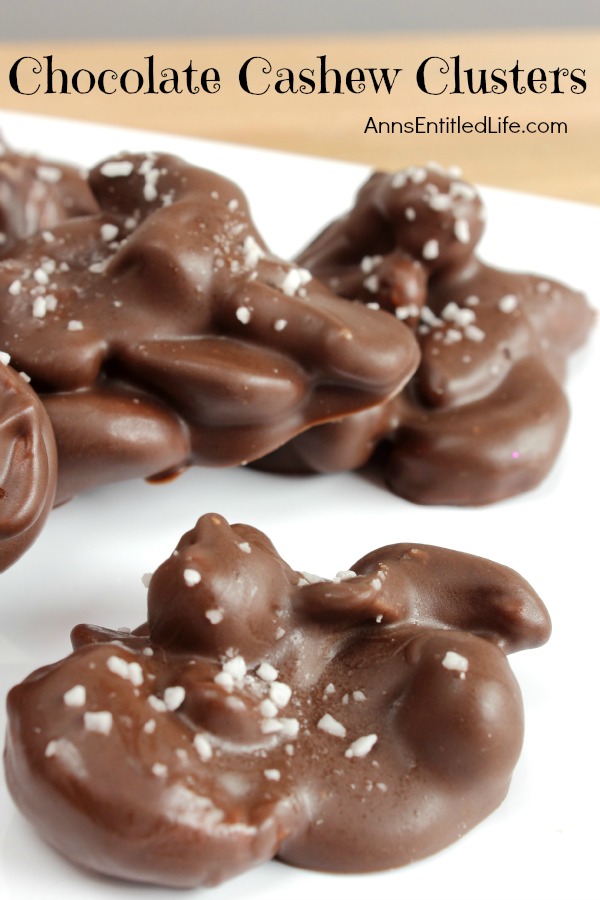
[(337, 724)]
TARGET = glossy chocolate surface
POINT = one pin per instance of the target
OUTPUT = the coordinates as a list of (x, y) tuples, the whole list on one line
[(36, 194), (27, 466), (485, 415), (348, 724), (162, 332)]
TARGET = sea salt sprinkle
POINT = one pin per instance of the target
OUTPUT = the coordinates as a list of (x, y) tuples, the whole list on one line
[(108, 232), (267, 672), (156, 703), (372, 283), (236, 667), (252, 251), (151, 175), (508, 303), (174, 697), (99, 722), (75, 696), (268, 709), (49, 174), (39, 308), (431, 249), (214, 616), (117, 168), (462, 231), (295, 279), (243, 314), (368, 263), (455, 662), (203, 747), (192, 577), (129, 671), (474, 333), (361, 746), (280, 694), (331, 726), (440, 202)]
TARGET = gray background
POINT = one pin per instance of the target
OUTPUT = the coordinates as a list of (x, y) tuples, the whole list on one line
[(97, 19)]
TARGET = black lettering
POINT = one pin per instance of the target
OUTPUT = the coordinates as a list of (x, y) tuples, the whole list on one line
[(422, 74), (151, 89), (476, 86), (307, 82), (533, 80), (102, 76), (359, 78), (285, 82), (499, 81), (169, 82), (14, 74), (123, 81), (579, 84), (457, 76), (209, 77), (516, 72), (91, 81), (50, 73), (383, 79), (324, 73), (243, 74)]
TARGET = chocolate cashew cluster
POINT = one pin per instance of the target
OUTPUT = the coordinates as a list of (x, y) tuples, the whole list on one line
[(27, 465), (36, 194), (347, 724), (484, 416), (160, 331)]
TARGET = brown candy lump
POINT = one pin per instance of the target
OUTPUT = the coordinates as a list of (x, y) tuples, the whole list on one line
[(27, 464), (485, 415), (160, 331), (37, 194), (348, 724)]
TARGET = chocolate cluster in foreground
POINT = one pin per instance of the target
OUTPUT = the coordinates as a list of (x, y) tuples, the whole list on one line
[(161, 331), (27, 465), (37, 194), (484, 416), (346, 725)]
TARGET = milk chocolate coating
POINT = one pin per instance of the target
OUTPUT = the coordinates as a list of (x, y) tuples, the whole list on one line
[(346, 725), (27, 466), (36, 194), (484, 416), (164, 320)]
